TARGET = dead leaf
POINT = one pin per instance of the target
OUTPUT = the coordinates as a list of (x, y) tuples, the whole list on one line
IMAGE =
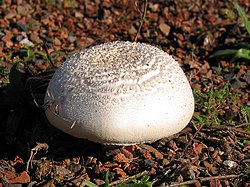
[(119, 171), (109, 164), (17, 160), (127, 153), (198, 147), (210, 167), (120, 157), (215, 183), (7, 37), (21, 178), (146, 155), (157, 154)]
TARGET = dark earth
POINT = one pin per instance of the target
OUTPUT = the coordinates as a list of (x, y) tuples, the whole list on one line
[(36, 37)]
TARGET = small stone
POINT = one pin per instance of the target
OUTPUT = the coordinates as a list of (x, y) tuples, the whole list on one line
[(186, 29), (15, 31), (154, 7), (56, 41), (1, 34), (149, 162), (78, 15), (24, 10), (230, 40), (211, 149), (43, 36), (35, 38), (80, 25), (230, 164), (165, 29), (19, 38), (153, 16), (21, 26), (132, 30), (25, 41), (10, 14), (246, 77), (71, 38)]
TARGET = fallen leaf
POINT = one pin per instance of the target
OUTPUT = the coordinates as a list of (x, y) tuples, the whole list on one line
[(146, 155), (119, 171), (157, 154), (109, 164), (127, 153), (198, 147), (7, 37), (21, 178), (215, 183), (120, 157), (210, 167)]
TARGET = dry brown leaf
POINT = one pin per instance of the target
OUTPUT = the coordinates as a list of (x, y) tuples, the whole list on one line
[(21, 178), (109, 164), (215, 183), (211, 168), (198, 147), (147, 155), (157, 154), (120, 157), (127, 153), (119, 171)]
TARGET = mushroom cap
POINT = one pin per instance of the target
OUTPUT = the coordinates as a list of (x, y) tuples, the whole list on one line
[(120, 93)]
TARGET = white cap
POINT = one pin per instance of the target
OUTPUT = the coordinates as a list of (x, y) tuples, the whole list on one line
[(120, 93)]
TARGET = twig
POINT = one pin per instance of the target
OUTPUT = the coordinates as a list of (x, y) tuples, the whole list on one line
[(38, 85), (202, 180), (195, 134), (38, 147), (242, 125), (143, 16), (236, 130), (48, 55), (131, 177)]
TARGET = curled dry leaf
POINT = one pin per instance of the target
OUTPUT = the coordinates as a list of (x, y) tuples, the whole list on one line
[(198, 147), (120, 172), (211, 168), (157, 154), (121, 158), (20, 178)]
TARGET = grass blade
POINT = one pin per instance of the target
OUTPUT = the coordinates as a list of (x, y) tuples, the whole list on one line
[(107, 179), (224, 52), (90, 184), (243, 16), (242, 53)]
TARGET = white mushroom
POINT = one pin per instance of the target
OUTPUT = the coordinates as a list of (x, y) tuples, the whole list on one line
[(120, 93)]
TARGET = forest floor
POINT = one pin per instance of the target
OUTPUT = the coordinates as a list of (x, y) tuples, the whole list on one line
[(37, 36)]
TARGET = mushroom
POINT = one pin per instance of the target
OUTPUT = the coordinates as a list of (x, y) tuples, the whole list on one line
[(120, 93)]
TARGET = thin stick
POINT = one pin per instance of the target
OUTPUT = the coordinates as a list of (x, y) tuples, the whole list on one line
[(142, 20), (48, 55), (242, 125), (38, 147), (131, 177), (202, 180), (236, 130)]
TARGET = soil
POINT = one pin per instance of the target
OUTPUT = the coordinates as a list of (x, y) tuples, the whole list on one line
[(36, 37)]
